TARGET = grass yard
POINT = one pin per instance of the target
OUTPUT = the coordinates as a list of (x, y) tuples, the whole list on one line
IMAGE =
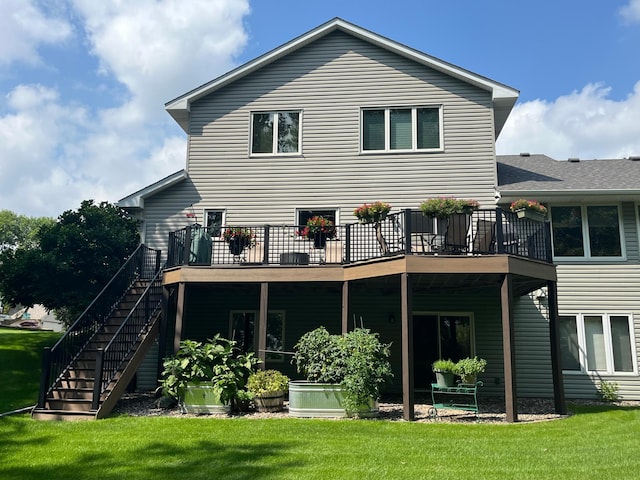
[(20, 358), (596, 443)]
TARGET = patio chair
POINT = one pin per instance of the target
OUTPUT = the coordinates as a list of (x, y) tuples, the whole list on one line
[(484, 240), (422, 233), (333, 252), (456, 240)]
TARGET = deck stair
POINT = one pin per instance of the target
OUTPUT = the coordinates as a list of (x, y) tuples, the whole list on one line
[(86, 372)]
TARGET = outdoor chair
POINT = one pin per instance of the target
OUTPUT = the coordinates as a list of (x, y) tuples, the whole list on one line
[(456, 240), (484, 240)]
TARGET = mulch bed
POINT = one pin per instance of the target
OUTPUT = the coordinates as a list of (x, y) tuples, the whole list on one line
[(491, 410)]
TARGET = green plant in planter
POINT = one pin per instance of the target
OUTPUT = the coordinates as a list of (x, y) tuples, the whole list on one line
[(214, 362), (445, 372), (443, 366), (469, 368), (444, 207), (268, 388), (356, 360), (267, 382)]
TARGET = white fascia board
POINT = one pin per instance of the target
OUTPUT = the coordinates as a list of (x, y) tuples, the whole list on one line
[(584, 196), (179, 107), (136, 199)]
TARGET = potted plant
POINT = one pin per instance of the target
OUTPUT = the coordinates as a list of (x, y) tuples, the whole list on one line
[(445, 207), (205, 377), (319, 229), (374, 213), (344, 374), (238, 239), (445, 372), (268, 388), (531, 209), (469, 368)]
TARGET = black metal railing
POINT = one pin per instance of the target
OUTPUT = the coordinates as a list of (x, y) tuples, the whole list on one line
[(409, 232), (111, 359), (143, 264)]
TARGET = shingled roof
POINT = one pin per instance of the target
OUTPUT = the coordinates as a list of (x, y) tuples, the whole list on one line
[(542, 176)]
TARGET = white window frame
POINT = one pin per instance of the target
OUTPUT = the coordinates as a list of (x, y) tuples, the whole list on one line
[(206, 219), (608, 343), (586, 244), (307, 209), (414, 130), (274, 147)]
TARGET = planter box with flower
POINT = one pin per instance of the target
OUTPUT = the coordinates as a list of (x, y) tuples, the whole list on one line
[(445, 207), (374, 213), (318, 229), (207, 377), (268, 388), (238, 239), (344, 374), (530, 209)]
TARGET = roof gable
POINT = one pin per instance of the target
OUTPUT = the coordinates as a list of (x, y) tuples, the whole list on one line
[(504, 97)]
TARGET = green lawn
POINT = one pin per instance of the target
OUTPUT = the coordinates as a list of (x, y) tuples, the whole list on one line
[(596, 443), (20, 356)]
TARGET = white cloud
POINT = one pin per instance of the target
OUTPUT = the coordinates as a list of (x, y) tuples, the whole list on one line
[(148, 45), (24, 27), (585, 124), (631, 12), (55, 153)]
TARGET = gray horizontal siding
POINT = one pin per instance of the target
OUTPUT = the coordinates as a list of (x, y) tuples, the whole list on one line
[(595, 288), (330, 81)]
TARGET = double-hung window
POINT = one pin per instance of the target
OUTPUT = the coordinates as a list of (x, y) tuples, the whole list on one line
[(275, 133), (401, 129), (600, 343), (590, 231)]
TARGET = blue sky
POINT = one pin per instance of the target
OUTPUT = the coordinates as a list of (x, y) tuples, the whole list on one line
[(83, 83)]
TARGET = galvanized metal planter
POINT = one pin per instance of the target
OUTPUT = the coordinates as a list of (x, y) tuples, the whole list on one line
[(203, 399), (322, 400)]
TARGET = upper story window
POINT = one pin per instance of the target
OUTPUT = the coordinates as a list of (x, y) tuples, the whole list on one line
[(275, 133), (401, 129), (586, 231)]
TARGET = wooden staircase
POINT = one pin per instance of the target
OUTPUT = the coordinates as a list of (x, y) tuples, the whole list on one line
[(107, 350)]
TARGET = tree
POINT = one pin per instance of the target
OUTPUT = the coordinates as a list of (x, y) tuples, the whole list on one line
[(20, 230), (71, 259)]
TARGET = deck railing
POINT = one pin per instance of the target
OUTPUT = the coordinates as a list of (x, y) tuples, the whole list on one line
[(409, 232)]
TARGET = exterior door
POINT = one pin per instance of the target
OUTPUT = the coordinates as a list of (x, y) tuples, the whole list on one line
[(425, 349)]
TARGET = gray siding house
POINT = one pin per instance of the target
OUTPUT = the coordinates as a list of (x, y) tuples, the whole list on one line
[(594, 208), (341, 116)]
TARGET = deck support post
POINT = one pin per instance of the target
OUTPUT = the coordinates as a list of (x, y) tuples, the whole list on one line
[(406, 300), (554, 343), (508, 348), (262, 324), (345, 307), (180, 313)]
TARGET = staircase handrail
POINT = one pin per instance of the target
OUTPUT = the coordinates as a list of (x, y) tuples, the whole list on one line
[(143, 262), (113, 356)]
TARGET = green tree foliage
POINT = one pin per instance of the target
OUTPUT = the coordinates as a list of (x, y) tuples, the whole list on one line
[(71, 259), (20, 230)]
